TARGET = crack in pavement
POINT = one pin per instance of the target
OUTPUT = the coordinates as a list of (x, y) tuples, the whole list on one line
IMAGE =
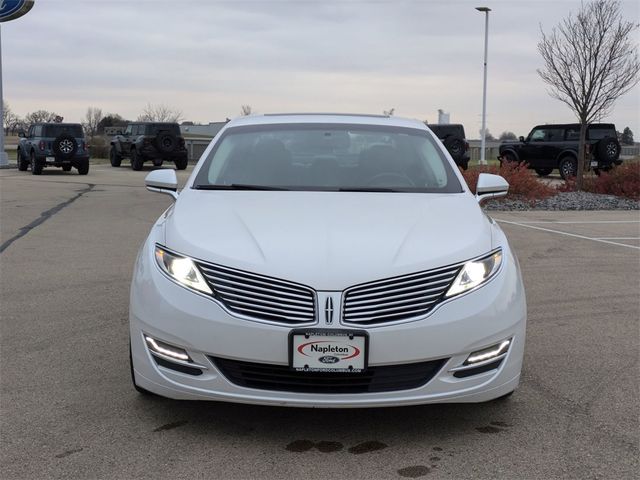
[(46, 215)]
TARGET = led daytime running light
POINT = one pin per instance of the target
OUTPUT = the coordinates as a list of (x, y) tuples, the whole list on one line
[(153, 345), (483, 355)]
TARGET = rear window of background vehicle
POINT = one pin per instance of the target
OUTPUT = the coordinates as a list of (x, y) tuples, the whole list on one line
[(57, 130), (598, 133), (154, 129), (329, 157), (442, 131), (595, 132)]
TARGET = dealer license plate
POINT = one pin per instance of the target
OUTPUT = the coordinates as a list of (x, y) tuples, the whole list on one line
[(51, 159), (594, 163), (328, 350)]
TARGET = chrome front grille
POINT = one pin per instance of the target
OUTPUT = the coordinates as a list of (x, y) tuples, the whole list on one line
[(396, 299), (260, 297)]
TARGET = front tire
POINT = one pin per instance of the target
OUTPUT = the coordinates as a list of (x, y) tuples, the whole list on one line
[(507, 158), (133, 376), (36, 166), (115, 159), (22, 164), (83, 167), (136, 161), (181, 163), (568, 167), (543, 172)]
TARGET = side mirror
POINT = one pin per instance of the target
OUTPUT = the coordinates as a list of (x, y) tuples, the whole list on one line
[(490, 186), (521, 138), (21, 134), (163, 181)]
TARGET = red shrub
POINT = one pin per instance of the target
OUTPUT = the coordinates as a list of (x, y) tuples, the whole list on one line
[(523, 184), (622, 181)]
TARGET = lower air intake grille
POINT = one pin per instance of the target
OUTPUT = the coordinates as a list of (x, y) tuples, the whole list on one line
[(281, 378)]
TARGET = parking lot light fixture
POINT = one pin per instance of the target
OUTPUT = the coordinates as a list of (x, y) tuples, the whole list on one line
[(483, 132)]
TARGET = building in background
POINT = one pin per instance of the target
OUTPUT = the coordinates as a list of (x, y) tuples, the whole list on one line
[(210, 130)]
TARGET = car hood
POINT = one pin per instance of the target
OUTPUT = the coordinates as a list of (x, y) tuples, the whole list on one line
[(328, 240)]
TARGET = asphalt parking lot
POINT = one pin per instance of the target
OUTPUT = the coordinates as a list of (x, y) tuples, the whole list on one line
[(68, 409)]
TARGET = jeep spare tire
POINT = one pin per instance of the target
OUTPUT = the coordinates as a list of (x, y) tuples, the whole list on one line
[(166, 141), (65, 146), (608, 149), (455, 146)]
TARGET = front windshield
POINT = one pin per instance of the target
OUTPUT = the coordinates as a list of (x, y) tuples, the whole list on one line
[(328, 157)]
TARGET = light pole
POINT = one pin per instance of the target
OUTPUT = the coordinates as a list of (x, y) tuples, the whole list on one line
[(4, 160), (486, 11)]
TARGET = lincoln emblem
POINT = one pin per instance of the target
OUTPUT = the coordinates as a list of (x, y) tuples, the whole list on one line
[(328, 311)]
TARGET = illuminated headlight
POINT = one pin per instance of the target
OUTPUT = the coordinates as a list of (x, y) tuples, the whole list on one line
[(182, 270), (475, 273)]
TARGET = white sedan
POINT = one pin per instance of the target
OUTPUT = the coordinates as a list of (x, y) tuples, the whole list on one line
[(326, 261)]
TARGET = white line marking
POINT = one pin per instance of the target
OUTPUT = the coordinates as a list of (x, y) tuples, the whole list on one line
[(617, 238), (569, 234), (578, 222)]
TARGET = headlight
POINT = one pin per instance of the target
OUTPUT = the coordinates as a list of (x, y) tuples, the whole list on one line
[(182, 270), (475, 273)]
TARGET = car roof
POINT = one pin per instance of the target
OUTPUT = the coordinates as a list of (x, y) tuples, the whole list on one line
[(64, 124), (574, 125), (337, 118)]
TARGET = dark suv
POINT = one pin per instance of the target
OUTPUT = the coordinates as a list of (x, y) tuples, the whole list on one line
[(53, 145), (548, 147), (453, 137), (149, 141)]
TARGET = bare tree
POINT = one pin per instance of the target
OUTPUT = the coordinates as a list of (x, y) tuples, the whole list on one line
[(160, 113), (6, 111), (9, 119), (42, 116), (245, 110), (389, 112), (92, 120), (590, 60)]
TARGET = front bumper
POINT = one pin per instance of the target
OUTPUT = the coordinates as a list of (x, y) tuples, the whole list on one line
[(151, 152), (163, 310), (52, 160)]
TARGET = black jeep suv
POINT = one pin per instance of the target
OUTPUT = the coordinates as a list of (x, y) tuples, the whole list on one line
[(155, 141), (453, 137), (53, 145), (548, 147)]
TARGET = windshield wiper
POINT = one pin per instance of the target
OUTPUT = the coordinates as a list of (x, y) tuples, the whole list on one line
[(238, 186), (368, 189)]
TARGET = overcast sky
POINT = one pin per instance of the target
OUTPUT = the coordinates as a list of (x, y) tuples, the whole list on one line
[(208, 57)]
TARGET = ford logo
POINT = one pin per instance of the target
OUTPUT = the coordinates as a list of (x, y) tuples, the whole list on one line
[(12, 9), (329, 359)]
